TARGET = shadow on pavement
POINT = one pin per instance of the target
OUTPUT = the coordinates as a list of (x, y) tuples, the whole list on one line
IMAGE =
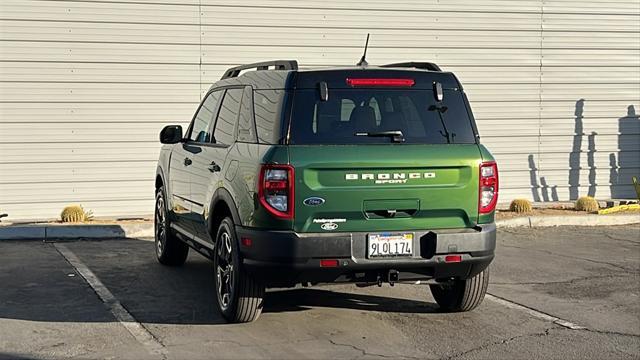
[(49, 290), (304, 299), (11, 356)]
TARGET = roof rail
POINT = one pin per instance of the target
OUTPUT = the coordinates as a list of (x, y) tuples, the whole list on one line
[(277, 64), (418, 65)]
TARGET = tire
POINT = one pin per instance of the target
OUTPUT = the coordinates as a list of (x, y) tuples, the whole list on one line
[(238, 295), (462, 295), (170, 250)]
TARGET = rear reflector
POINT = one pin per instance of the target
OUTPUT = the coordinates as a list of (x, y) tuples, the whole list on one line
[(380, 82), (246, 242), (328, 263), (453, 258)]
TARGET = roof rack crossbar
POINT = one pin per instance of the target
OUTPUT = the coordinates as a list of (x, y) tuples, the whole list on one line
[(277, 64), (417, 65)]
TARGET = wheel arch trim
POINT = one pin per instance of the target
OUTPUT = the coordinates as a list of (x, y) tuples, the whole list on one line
[(223, 195)]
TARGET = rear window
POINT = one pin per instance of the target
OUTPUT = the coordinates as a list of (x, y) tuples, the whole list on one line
[(268, 114), (372, 111)]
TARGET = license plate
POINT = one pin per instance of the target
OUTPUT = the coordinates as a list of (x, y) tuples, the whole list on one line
[(390, 245)]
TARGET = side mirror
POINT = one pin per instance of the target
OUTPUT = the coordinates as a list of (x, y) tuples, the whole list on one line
[(171, 134)]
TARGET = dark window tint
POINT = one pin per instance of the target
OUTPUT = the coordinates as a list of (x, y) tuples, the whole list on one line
[(349, 111), (228, 117), (346, 107), (246, 126), (204, 118), (268, 114)]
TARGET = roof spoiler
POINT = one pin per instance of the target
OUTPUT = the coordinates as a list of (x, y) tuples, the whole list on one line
[(416, 65), (276, 64)]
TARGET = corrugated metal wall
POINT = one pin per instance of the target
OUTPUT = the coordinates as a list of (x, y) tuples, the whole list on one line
[(85, 86)]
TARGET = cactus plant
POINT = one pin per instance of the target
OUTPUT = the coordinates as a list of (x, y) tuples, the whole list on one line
[(75, 213), (520, 206), (587, 203)]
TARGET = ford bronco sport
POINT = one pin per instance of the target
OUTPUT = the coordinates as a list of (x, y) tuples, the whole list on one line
[(366, 175)]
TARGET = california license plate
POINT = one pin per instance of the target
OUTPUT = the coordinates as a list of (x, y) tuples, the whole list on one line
[(390, 245)]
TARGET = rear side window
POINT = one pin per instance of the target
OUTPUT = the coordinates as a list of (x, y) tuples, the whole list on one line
[(246, 126), (228, 117), (372, 111), (268, 114)]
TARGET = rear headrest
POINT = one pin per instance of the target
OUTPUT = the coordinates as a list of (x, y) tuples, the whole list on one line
[(363, 118), (328, 115), (393, 121)]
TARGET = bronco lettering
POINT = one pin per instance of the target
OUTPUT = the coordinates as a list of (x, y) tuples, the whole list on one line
[(390, 178)]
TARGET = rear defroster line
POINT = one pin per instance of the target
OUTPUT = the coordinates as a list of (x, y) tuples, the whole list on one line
[(139, 332), (534, 312)]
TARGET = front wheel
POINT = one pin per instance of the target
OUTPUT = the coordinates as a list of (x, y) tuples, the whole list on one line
[(239, 295), (462, 295), (169, 250)]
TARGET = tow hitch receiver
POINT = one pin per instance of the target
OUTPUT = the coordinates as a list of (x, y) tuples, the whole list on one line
[(393, 276)]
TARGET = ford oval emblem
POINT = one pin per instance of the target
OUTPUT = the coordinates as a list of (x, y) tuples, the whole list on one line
[(313, 201), (329, 226)]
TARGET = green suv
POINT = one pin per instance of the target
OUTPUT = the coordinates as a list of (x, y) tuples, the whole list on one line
[(366, 175)]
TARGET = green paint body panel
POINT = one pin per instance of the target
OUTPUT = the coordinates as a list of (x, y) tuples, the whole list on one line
[(428, 186), (260, 217)]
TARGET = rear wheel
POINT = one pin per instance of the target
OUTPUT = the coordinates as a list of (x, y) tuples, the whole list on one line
[(169, 250), (239, 295), (462, 295)]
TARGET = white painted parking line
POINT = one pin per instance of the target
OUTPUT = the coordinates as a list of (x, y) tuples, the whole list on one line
[(534, 312), (121, 314)]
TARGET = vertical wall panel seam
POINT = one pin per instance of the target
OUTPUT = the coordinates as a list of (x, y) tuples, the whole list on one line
[(540, 67), (200, 46), (73, 107)]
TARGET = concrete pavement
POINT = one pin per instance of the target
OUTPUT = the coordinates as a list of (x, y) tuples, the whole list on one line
[(586, 275)]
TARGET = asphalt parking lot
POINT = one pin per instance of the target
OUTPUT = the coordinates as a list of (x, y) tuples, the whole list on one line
[(562, 292)]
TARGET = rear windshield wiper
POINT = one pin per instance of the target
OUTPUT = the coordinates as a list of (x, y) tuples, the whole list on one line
[(396, 135), (441, 110)]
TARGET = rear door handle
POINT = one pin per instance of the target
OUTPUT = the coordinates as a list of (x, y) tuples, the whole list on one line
[(187, 161), (213, 167)]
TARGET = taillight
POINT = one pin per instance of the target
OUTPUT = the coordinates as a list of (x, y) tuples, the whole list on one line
[(276, 190), (380, 82), (488, 187)]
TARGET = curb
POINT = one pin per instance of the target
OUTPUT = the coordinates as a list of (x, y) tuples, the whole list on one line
[(88, 231), (574, 220), (108, 231)]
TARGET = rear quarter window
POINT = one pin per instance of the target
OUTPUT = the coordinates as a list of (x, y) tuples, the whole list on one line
[(246, 124), (268, 115)]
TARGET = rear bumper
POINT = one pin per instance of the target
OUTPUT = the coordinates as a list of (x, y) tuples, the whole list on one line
[(285, 258)]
